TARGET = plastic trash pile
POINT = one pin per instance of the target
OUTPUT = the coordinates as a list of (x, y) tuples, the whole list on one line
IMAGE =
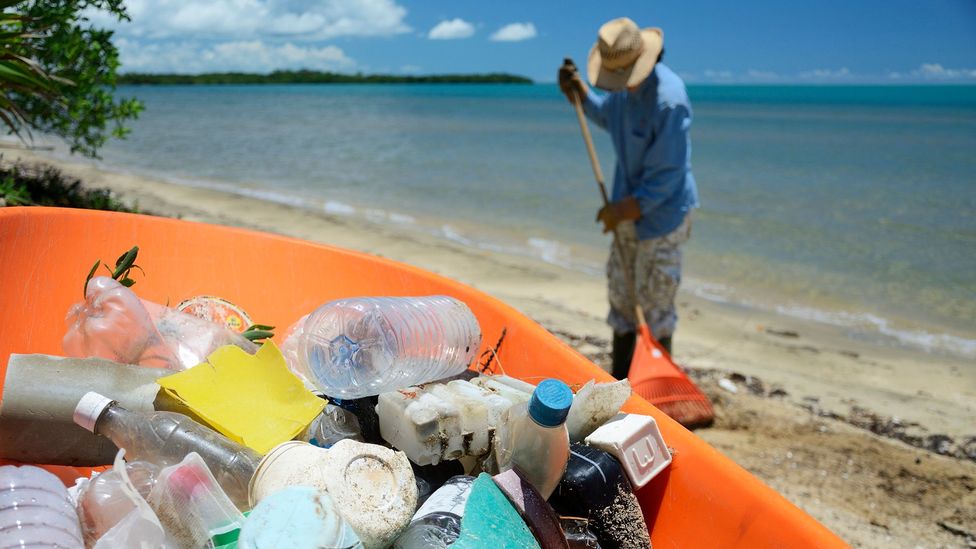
[(366, 429)]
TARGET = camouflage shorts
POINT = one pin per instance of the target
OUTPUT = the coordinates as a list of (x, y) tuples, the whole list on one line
[(656, 264)]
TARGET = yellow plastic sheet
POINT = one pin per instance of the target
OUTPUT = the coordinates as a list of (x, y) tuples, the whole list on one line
[(254, 400)]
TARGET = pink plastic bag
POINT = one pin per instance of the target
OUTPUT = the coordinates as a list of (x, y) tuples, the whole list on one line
[(114, 323)]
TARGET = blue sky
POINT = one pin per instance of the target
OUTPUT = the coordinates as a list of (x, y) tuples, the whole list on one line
[(705, 41)]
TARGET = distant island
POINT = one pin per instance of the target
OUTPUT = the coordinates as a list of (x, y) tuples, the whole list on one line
[(316, 77)]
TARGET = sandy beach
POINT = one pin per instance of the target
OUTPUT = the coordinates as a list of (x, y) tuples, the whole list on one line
[(878, 443)]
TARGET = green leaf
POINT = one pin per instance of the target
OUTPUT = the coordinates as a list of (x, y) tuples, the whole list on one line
[(259, 327), (127, 282), (91, 273), (12, 72), (255, 335), (125, 262)]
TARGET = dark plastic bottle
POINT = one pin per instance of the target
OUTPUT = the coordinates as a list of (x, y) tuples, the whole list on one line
[(596, 487)]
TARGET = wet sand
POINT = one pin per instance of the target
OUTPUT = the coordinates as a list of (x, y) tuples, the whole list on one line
[(850, 431)]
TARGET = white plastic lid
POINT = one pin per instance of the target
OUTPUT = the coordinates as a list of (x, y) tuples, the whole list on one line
[(90, 408)]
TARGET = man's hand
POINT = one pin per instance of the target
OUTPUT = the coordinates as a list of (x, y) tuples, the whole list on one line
[(622, 210), (570, 82)]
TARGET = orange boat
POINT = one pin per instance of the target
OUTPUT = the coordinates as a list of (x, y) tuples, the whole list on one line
[(702, 500)]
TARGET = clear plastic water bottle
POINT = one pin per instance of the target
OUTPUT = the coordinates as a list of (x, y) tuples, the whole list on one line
[(165, 438), (533, 436), (36, 511), (437, 524), (357, 347)]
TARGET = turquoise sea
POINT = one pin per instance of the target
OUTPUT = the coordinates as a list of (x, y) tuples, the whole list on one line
[(854, 206)]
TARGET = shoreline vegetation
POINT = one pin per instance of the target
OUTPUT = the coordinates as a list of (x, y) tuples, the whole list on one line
[(315, 77), (40, 184)]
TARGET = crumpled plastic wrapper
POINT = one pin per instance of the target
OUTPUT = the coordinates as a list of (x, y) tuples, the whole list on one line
[(113, 323)]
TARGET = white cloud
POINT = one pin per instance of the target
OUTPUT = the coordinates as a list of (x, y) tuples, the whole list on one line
[(935, 71), (712, 74), (826, 74), (244, 56), (451, 30), (514, 32), (250, 19)]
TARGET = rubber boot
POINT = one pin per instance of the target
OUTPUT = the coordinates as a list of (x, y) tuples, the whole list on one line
[(623, 352), (666, 343)]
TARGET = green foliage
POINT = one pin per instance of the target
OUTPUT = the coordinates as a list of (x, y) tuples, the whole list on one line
[(258, 333), (315, 77), (12, 193), (37, 185), (58, 72), (123, 267)]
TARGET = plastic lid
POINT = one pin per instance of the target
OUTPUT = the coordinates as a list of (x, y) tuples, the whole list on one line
[(550, 403), (90, 408)]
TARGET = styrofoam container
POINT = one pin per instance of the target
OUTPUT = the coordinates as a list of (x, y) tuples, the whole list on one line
[(636, 442), (292, 463), (373, 487)]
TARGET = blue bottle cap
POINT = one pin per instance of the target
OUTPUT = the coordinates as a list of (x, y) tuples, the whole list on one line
[(550, 403)]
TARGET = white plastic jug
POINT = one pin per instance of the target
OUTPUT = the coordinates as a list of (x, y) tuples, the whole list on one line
[(446, 421)]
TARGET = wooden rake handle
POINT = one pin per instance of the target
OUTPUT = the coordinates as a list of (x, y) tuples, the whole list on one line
[(598, 174)]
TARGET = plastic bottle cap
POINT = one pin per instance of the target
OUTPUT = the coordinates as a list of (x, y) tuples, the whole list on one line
[(90, 408), (550, 403)]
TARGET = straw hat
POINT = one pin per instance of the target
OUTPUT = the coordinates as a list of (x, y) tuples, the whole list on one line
[(624, 55)]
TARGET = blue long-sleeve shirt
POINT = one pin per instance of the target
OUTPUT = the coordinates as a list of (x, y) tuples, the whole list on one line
[(649, 130)]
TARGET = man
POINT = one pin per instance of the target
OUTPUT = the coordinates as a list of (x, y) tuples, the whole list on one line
[(647, 114)]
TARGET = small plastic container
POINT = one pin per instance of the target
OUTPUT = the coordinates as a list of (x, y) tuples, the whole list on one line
[(36, 511), (357, 347), (636, 442), (533, 436), (191, 505)]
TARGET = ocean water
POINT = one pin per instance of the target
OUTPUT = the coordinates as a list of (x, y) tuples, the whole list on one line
[(854, 206)]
